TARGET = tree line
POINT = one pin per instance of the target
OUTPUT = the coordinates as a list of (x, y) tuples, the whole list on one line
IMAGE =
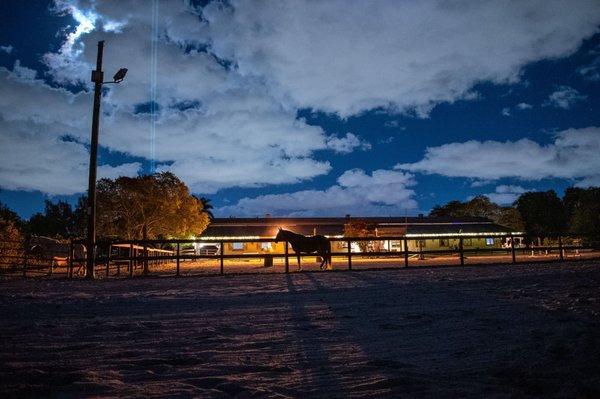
[(537, 213), (154, 206), (162, 206)]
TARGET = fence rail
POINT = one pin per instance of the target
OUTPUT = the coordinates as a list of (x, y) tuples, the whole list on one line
[(125, 257)]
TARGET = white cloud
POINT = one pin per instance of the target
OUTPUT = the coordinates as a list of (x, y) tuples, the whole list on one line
[(523, 106), (347, 57), (506, 194), (265, 61), (564, 97), (591, 71), (506, 111), (572, 155), (347, 144), (383, 192), (6, 49)]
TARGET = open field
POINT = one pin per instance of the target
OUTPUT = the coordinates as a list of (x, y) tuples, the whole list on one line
[(486, 331)]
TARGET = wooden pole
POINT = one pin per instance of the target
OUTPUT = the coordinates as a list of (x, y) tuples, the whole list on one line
[(71, 252), (405, 252), (512, 249), (349, 255), (108, 261), (97, 78), (560, 248), (131, 256), (177, 259), (460, 251), (287, 259), (222, 257), (145, 254)]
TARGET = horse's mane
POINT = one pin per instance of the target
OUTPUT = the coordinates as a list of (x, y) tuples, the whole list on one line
[(290, 233)]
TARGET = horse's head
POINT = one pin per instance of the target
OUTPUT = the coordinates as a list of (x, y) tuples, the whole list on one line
[(279, 235)]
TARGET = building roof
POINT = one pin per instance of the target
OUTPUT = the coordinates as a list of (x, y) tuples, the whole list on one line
[(267, 227)]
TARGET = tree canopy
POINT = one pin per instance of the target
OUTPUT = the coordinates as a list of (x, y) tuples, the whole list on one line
[(159, 203), (480, 206), (58, 220), (542, 212), (582, 208)]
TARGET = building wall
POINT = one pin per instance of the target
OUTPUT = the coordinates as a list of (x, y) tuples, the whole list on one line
[(429, 244)]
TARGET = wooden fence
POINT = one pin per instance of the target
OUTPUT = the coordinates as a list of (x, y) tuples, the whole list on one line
[(123, 258)]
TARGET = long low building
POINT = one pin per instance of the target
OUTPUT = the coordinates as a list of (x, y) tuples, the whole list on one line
[(423, 233)]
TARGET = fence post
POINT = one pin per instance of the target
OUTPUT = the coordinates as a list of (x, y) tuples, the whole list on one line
[(287, 259), (405, 252), (177, 259), (108, 261), (131, 260), (349, 255), (71, 252), (512, 249), (460, 251), (145, 254), (222, 257), (560, 248)]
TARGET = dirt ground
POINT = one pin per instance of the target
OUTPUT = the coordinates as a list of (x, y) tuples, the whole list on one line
[(481, 331)]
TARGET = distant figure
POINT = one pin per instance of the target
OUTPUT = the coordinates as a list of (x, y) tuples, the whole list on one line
[(307, 245)]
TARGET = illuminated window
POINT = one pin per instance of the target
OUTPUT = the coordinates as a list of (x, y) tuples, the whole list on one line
[(237, 245), (489, 241), (265, 246)]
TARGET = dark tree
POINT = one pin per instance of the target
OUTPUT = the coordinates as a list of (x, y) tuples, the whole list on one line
[(207, 206), (9, 215), (56, 221), (582, 208), (543, 213), (480, 206)]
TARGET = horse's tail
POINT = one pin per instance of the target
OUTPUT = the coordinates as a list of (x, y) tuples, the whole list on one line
[(328, 252)]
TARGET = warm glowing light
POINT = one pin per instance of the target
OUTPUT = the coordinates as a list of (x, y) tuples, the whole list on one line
[(425, 235), (216, 238)]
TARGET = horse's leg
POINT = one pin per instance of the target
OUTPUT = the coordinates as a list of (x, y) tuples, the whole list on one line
[(323, 256), (299, 264)]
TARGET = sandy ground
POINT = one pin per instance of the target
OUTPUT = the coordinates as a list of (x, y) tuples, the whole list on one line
[(485, 331)]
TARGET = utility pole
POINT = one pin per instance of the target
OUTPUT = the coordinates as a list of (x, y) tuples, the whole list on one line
[(97, 78)]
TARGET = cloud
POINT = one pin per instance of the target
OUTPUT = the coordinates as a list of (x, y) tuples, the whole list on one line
[(347, 144), (591, 71), (34, 155), (564, 97), (572, 155), (506, 194), (234, 134), (348, 57), (6, 49), (383, 192), (519, 106), (524, 106), (232, 76)]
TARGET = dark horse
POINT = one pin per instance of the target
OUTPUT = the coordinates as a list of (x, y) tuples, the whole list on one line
[(307, 245)]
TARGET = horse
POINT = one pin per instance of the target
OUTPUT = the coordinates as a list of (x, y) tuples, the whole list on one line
[(56, 252), (307, 245)]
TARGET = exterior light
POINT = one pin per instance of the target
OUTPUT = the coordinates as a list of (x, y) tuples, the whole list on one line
[(120, 75)]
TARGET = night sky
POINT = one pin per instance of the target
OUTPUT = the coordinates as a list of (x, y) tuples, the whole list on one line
[(304, 108)]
